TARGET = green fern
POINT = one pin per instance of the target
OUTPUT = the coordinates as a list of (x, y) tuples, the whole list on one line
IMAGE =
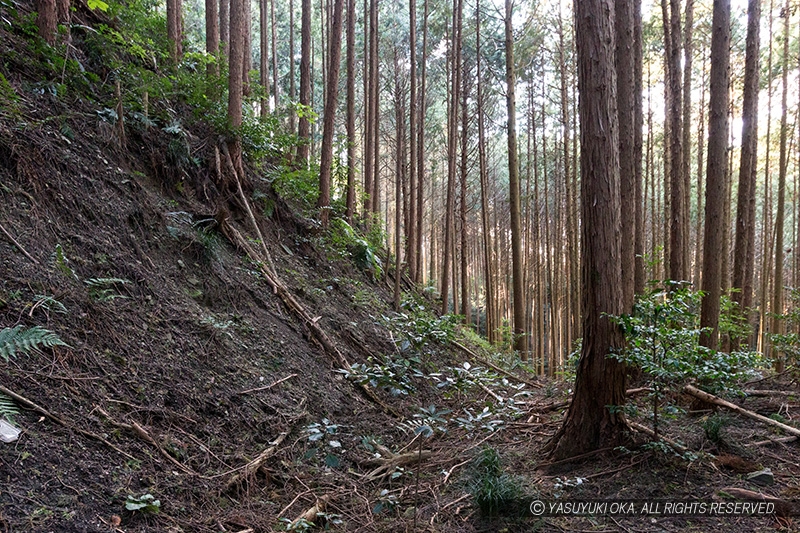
[(7, 407), (19, 339), (102, 289)]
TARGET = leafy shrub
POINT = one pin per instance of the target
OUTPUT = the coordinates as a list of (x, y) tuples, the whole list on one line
[(492, 489)]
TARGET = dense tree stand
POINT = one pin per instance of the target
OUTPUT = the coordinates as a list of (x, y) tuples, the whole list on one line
[(591, 422)]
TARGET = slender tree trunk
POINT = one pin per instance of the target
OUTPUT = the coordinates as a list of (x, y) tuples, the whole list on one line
[(455, 62), (264, 56), (513, 184), (224, 27), (777, 288), (411, 230), (744, 248), (248, 54), (716, 172), (626, 103), (212, 37), (235, 67), (701, 136), (292, 93), (421, 142), (638, 122), (350, 201), (400, 113), (766, 215), (464, 272), (273, 31), (686, 131), (329, 113), (174, 34), (303, 129), (600, 381), (677, 265)]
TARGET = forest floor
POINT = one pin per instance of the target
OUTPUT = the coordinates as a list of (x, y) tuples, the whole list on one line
[(189, 380)]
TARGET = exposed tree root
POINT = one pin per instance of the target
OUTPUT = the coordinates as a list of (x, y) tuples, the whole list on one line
[(310, 514), (391, 461)]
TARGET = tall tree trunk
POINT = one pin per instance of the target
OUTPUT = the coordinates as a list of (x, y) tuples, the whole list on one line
[(303, 129), (273, 31), (452, 143), (600, 380), (292, 93), (638, 122), (423, 107), (399, 171), (484, 179), (224, 27), (411, 230), (701, 137), (350, 201), (248, 48), (513, 184), (174, 34), (626, 103), (766, 222), (716, 172), (329, 113), (264, 57), (464, 272), (235, 67), (686, 131), (212, 37), (677, 267), (777, 295), (744, 248)]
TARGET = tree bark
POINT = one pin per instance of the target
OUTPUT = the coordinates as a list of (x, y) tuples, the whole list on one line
[(329, 113), (716, 172), (47, 20), (514, 189), (350, 201), (224, 27), (174, 34), (235, 67), (303, 128), (212, 37), (411, 230), (626, 104), (638, 123), (421, 142), (744, 247), (600, 381), (677, 264), (264, 56)]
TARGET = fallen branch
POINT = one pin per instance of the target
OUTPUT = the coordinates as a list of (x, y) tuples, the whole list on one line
[(310, 514), (782, 507), (389, 464), (646, 430), (44, 412), (495, 367), (248, 391), (18, 245), (710, 398), (780, 440), (285, 295), (253, 466), (752, 392), (142, 433)]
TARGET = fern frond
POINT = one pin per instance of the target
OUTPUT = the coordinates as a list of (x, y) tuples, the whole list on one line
[(22, 340), (104, 283), (7, 406)]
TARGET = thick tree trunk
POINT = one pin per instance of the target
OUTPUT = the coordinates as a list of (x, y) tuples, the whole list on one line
[(273, 31), (600, 381), (292, 93), (686, 131), (638, 122), (677, 264), (716, 173), (174, 34)]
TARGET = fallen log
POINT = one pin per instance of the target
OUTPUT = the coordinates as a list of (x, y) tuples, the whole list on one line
[(710, 398), (782, 507), (647, 431), (393, 461)]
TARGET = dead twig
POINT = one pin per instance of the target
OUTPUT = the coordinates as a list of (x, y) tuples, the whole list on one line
[(61, 422), (495, 367), (647, 431), (142, 433), (257, 389), (253, 466), (18, 245), (310, 514)]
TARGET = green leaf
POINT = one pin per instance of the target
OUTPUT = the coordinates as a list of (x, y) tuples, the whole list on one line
[(19, 339), (97, 4)]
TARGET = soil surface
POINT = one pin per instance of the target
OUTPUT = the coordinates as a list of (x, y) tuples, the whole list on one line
[(183, 365)]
